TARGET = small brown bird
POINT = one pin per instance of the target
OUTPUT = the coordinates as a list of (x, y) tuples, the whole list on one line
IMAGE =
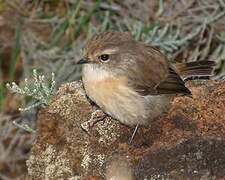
[(132, 81)]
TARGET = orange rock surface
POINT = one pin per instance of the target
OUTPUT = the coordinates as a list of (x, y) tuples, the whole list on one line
[(188, 142)]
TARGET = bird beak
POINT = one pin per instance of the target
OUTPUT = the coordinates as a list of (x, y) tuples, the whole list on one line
[(83, 61)]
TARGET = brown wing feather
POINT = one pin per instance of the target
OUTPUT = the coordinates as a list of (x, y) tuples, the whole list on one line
[(152, 74), (173, 84)]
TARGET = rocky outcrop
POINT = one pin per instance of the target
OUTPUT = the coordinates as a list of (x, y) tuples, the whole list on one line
[(188, 142)]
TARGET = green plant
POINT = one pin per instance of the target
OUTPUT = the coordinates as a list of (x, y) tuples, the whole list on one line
[(38, 88)]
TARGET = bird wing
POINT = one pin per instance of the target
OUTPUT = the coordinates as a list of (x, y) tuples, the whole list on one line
[(172, 84), (153, 75)]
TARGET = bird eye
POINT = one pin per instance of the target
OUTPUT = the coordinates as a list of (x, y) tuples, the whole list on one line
[(104, 57)]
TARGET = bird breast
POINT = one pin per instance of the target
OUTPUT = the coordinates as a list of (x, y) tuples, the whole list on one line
[(116, 98)]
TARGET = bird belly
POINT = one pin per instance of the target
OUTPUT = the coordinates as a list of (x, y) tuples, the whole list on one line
[(123, 103)]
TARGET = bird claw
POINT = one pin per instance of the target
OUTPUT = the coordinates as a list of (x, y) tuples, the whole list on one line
[(96, 116), (85, 126)]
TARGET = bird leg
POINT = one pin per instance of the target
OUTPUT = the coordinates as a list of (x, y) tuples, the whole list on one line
[(96, 116), (134, 133)]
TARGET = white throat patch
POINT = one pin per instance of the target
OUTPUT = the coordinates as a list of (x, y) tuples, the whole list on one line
[(95, 73)]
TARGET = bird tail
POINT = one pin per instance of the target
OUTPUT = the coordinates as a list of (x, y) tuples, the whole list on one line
[(195, 70)]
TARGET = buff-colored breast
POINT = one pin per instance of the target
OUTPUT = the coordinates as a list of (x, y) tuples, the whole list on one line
[(116, 98)]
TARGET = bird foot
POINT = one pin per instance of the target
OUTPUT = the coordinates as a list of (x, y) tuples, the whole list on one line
[(96, 116)]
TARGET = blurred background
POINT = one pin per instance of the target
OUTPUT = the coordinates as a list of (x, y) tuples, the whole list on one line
[(48, 35)]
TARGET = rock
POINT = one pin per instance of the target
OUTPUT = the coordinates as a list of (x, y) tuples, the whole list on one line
[(187, 143)]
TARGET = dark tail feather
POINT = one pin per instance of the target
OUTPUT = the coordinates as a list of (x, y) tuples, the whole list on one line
[(195, 70)]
